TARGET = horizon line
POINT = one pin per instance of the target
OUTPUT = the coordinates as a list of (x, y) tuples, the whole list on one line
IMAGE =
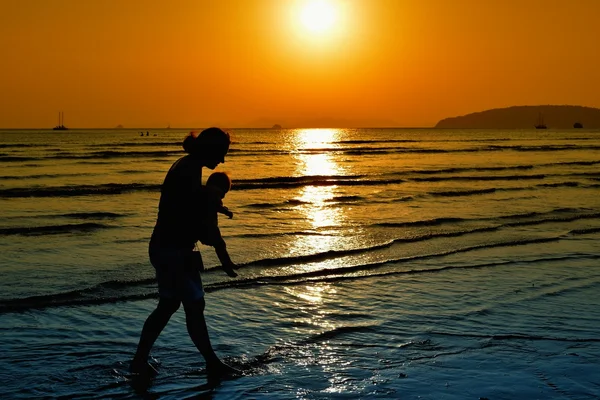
[(198, 128)]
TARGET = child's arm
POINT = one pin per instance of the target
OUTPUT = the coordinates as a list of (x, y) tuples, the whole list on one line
[(226, 264), (224, 210)]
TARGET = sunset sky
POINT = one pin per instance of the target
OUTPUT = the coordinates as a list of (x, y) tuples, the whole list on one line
[(254, 63)]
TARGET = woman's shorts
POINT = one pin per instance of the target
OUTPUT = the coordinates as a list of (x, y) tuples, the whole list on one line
[(177, 276)]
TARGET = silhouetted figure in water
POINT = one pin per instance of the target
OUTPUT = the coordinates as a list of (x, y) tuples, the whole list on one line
[(171, 250), (217, 186)]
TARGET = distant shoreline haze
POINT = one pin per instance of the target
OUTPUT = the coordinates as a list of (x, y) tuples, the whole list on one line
[(514, 117), (523, 117)]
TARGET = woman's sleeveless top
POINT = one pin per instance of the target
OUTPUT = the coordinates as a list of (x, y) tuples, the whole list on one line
[(180, 197)]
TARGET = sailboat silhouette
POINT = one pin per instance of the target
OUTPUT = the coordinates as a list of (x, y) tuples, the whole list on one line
[(540, 123), (61, 126)]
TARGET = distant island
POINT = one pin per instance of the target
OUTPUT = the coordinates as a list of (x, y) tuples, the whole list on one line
[(526, 117)]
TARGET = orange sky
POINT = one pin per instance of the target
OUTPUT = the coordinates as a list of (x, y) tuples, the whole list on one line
[(246, 63)]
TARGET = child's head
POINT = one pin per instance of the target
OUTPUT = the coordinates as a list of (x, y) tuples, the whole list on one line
[(219, 180)]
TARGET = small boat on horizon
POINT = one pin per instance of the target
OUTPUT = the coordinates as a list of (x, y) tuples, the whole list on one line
[(61, 125), (540, 122)]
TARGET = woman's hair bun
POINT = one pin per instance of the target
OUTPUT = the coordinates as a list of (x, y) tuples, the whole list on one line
[(189, 143)]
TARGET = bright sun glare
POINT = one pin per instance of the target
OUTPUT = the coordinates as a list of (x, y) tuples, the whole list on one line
[(318, 16)]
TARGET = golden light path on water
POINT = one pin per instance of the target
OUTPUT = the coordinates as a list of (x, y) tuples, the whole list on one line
[(313, 304), (313, 300), (318, 210)]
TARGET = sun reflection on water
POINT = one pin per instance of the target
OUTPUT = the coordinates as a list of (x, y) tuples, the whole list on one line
[(311, 305), (315, 314), (316, 157)]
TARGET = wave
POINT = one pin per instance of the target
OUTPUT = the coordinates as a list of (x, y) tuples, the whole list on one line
[(287, 203), (4, 158), (76, 215), (265, 183), (340, 273), (332, 254), (94, 215), (553, 211), (549, 147), (289, 183), (343, 199), (135, 171), (296, 202), (301, 179), (364, 150), (53, 229), (480, 178), (555, 215), (278, 234), (42, 176), (568, 218), (285, 182), (470, 169), (585, 231), (177, 144), (83, 297), (474, 192), (80, 190), (115, 154), (375, 141), (22, 145), (550, 217), (402, 199), (315, 180), (108, 154), (454, 193), (416, 150), (516, 336), (275, 183), (119, 291), (582, 163), (335, 332), (427, 222), (588, 174), (560, 184), (342, 276), (497, 222)]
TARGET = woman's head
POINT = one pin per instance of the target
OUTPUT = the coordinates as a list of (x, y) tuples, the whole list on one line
[(211, 145)]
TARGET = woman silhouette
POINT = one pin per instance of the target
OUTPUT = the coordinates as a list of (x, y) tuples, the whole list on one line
[(171, 250)]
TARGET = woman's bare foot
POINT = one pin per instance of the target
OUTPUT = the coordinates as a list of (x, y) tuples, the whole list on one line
[(220, 369), (142, 368)]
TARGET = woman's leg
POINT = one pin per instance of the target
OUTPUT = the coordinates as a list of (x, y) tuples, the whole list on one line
[(197, 329), (153, 326), (196, 325)]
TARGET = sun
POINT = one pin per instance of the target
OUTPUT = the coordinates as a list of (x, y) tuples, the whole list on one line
[(318, 16)]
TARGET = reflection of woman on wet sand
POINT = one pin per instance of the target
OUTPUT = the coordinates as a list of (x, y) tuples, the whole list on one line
[(171, 245)]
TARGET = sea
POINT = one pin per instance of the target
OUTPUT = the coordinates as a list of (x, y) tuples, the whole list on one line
[(373, 264)]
